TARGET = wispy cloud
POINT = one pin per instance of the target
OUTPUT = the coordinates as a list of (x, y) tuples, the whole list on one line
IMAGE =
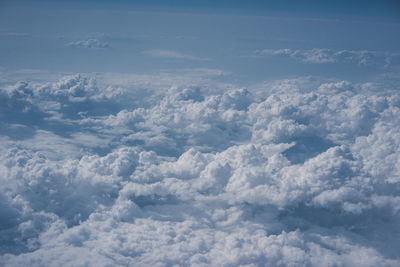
[(171, 54), (15, 34), (91, 43)]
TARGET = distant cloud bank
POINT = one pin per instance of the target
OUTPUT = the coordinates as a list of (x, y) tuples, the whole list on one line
[(323, 56)]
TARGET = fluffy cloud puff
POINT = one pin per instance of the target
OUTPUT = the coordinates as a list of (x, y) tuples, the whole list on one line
[(282, 175)]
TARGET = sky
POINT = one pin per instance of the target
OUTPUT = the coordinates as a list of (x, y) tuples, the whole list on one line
[(199, 133), (142, 36)]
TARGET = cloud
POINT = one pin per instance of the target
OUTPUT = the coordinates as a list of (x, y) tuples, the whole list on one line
[(15, 34), (171, 54), (291, 172), (91, 43), (326, 56)]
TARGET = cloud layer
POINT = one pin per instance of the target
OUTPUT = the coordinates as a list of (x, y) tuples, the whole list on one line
[(290, 173), (323, 56)]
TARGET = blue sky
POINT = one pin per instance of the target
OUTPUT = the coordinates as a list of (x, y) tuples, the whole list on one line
[(118, 36)]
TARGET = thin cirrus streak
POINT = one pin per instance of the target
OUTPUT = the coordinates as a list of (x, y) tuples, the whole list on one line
[(172, 55)]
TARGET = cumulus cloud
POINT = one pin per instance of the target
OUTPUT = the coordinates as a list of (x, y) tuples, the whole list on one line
[(289, 173), (323, 56), (91, 43)]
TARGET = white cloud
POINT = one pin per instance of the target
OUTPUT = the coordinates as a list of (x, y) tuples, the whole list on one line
[(91, 43), (295, 172), (171, 54), (324, 56)]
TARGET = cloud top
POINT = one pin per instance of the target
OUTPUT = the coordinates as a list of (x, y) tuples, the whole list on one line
[(291, 173)]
